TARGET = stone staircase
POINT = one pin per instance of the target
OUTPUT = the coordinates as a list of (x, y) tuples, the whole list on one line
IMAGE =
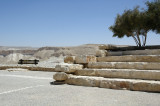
[(139, 71)]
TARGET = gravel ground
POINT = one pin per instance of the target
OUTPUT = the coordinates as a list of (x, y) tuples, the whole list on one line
[(33, 88)]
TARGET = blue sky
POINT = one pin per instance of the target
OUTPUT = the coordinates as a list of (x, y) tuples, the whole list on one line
[(63, 22)]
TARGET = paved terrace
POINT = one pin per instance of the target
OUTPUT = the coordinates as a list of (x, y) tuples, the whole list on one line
[(33, 88)]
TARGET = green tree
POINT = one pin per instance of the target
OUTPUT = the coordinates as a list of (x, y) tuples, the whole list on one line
[(153, 12), (132, 23)]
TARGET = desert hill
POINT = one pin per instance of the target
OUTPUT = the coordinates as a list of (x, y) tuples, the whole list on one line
[(47, 55)]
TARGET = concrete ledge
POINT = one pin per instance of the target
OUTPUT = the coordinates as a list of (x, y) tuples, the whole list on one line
[(136, 85), (130, 58), (121, 73), (125, 65)]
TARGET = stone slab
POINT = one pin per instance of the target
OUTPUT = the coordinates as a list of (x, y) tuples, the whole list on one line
[(84, 59), (60, 76), (134, 52), (130, 58), (101, 53), (107, 47), (70, 68), (114, 53), (142, 52), (121, 73), (127, 84), (125, 65)]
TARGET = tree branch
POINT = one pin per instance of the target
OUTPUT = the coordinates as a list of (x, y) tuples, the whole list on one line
[(139, 41), (135, 40)]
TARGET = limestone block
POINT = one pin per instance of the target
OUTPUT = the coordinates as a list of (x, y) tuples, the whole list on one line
[(142, 52), (114, 54), (147, 58), (84, 81), (126, 65), (146, 86), (86, 72), (129, 84), (85, 59), (100, 65), (103, 47), (152, 66), (101, 53), (113, 73), (121, 73), (69, 59), (115, 84), (136, 85), (129, 58), (115, 59), (70, 68), (137, 65), (60, 76), (107, 47)]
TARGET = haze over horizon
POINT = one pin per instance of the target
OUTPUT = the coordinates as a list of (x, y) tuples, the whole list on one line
[(40, 23)]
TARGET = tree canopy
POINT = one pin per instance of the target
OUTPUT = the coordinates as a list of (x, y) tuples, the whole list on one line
[(153, 12), (137, 23)]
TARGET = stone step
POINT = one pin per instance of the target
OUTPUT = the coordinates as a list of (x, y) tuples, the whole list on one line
[(125, 65), (125, 47), (127, 84), (121, 73), (130, 58), (134, 52)]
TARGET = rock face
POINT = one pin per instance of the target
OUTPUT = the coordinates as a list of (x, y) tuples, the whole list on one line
[(69, 59), (15, 57), (85, 59), (60, 76), (70, 68)]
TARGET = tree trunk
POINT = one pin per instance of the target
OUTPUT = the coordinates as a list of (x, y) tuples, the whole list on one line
[(139, 41), (144, 43)]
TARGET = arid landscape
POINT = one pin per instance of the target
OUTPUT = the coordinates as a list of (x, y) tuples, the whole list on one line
[(48, 56)]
